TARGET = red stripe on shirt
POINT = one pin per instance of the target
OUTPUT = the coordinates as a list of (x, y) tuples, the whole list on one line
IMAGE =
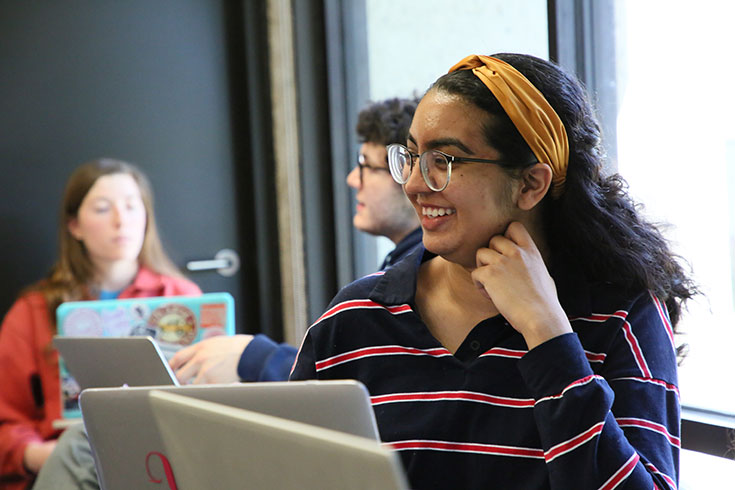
[(664, 384), (517, 354), (622, 473), (647, 424), (595, 356), (575, 384), (465, 447), (573, 443), (502, 352), (661, 308), (469, 396), (656, 471), (362, 303), (636, 349), (601, 317), (379, 351)]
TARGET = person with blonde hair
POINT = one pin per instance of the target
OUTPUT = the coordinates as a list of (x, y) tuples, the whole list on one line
[(109, 247)]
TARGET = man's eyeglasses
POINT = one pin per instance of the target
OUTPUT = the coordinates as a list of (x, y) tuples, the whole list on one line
[(436, 166), (362, 165)]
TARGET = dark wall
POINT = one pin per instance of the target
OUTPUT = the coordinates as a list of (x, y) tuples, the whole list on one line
[(144, 81)]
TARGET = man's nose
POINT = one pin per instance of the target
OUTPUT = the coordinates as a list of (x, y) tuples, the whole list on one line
[(353, 178)]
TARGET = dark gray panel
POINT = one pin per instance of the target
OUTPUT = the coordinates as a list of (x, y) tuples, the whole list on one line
[(137, 80)]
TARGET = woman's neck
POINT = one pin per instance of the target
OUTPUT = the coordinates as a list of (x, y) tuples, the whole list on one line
[(115, 276), (458, 280), (449, 303), (463, 290)]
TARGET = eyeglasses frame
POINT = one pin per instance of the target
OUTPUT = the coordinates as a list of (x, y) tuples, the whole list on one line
[(450, 160), (362, 165)]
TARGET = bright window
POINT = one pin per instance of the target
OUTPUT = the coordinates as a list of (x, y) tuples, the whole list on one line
[(676, 149)]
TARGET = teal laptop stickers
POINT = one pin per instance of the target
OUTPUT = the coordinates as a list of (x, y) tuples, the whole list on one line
[(174, 322)]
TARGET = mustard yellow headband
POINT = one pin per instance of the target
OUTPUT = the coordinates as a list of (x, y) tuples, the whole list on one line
[(530, 112)]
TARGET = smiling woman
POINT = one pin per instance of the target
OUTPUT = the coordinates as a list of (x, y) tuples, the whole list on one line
[(108, 247), (528, 345)]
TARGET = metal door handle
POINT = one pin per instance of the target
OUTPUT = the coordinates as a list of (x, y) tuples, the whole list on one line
[(226, 262)]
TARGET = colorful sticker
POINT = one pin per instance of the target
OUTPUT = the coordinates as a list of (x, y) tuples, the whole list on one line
[(116, 322), (213, 315), (69, 391), (83, 322), (139, 311), (176, 324)]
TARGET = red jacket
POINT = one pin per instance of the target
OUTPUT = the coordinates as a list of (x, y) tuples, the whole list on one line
[(30, 397)]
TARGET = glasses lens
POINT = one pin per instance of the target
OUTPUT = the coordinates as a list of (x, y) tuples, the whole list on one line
[(360, 163), (435, 169), (399, 162)]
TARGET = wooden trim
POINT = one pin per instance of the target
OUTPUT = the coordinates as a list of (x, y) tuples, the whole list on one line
[(288, 174)]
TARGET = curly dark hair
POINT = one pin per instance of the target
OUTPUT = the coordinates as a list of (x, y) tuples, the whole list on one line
[(386, 122), (594, 223)]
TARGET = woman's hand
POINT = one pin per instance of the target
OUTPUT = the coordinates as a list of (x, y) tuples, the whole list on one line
[(512, 273), (36, 454)]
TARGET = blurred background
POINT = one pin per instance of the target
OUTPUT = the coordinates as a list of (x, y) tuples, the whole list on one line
[(242, 112)]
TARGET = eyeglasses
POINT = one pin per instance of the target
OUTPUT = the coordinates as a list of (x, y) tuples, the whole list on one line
[(362, 166), (436, 166)]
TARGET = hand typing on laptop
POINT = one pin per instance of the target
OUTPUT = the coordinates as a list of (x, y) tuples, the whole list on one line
[(212, 360)]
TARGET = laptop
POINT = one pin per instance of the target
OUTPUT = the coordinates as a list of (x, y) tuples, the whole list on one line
[(210, 445), (100, 362), (173, 322), (129, 452)]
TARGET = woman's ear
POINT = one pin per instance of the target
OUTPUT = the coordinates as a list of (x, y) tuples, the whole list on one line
[(535, 184), (73, 226)]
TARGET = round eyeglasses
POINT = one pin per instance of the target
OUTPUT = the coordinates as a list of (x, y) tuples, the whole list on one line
[(362, 165), (436, 166)]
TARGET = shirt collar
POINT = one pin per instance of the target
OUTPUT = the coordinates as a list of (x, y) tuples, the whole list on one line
[(398, 283), (403, 248), (146, 280)]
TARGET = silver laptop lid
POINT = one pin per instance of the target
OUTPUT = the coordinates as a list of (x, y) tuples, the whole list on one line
[(124, 436), (210, 445), (99, 362)]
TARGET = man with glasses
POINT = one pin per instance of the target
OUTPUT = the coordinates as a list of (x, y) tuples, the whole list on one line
[(382, 210), (382, 206)]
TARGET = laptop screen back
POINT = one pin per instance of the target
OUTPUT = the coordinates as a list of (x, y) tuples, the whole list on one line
[(214, 446), (122, 432), (173, 322), (102, 362)]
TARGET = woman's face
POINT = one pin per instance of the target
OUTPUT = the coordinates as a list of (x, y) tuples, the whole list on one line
[(111, 220), (477, 204)]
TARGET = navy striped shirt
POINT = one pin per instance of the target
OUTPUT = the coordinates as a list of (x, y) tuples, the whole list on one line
[(597, 408)]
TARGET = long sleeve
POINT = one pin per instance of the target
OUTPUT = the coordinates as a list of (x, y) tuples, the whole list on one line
[(618, 428), (265, 360), (305, 368), (27, 381)]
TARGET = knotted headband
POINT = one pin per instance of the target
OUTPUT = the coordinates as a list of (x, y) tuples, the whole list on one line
[(530, 112)]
